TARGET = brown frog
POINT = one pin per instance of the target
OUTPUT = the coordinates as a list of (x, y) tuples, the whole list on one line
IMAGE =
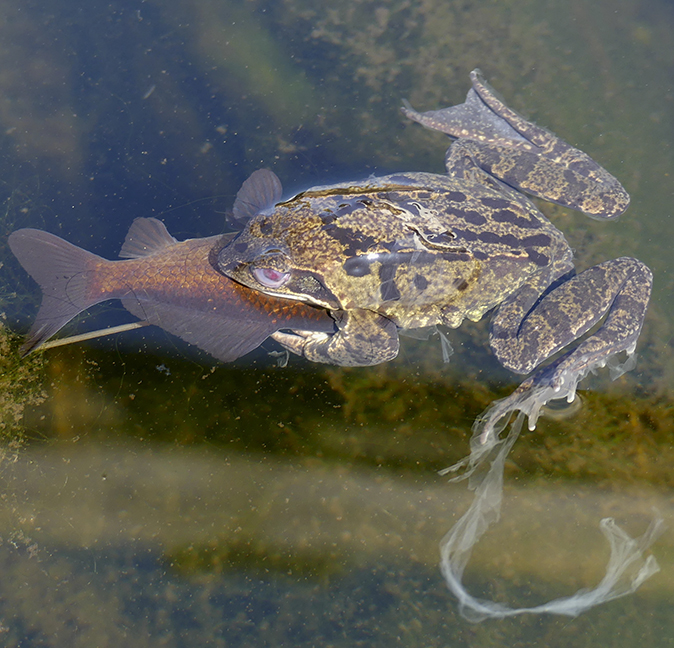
[(412, 250)]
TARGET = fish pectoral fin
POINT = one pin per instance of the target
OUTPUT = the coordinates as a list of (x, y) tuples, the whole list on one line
[(145, 237), (224, 338), (259, 192)]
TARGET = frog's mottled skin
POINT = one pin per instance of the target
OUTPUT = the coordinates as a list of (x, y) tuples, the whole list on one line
[(417, 249)]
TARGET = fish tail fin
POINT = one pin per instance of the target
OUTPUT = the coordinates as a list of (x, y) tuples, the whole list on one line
[(64, 273)]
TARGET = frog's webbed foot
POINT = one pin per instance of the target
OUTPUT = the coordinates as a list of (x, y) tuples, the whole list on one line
[(296, 341), (475, 119), (500, 142), (553, 382), (523, 335), (363, 338), (625, 286)]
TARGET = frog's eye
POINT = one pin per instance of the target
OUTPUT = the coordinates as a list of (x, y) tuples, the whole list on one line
[(270, 278)]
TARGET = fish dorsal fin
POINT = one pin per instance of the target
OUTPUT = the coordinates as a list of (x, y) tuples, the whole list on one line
[(261, 191), (145, 237)]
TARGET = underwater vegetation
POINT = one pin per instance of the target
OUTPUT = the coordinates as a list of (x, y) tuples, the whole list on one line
[(21, 387), (406, 419)]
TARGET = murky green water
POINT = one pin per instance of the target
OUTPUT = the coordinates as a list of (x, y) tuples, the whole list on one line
[(149, 497)]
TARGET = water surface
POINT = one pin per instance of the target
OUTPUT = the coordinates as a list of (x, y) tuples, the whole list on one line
[(151, 497)]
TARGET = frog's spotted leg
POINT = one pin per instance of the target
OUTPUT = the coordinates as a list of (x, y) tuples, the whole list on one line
[(494, 138), (525, 332), (617, 290), (363, 338)]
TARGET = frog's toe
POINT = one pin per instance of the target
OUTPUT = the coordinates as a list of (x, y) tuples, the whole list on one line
[(554, 382), (296, 341)]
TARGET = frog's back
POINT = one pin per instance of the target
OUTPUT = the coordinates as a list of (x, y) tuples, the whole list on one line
[(455, 203), (420, 248)]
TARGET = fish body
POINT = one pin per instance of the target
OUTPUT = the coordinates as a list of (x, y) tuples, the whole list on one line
[(174, 285)]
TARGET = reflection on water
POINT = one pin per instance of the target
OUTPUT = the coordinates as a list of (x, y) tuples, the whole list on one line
[(159, 502), (245, 549)]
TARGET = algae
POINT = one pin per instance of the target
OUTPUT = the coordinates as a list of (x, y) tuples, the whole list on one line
[(403, 417), (20, 389)]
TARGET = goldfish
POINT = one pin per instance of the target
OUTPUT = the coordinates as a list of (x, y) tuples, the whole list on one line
[(172, 284)]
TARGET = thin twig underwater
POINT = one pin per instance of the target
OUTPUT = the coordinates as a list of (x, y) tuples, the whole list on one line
[(92, 335)]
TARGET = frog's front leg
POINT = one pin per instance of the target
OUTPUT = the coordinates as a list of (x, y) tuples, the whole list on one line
[(362, 338), (524, 334)]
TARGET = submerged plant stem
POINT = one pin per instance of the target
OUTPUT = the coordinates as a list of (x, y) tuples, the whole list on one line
[(92, 335)]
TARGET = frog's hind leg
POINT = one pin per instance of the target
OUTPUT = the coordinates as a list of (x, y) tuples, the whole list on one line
[(624, 287), (500, 142), (522, 336)]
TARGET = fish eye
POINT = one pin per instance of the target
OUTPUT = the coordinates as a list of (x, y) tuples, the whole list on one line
[(270, 278)]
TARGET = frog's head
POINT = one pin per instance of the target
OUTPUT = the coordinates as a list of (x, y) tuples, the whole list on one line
[(265, 263)]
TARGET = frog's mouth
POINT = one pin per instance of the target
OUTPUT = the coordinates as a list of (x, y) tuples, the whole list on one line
[(307, 286), (298, 285), (271, 273)]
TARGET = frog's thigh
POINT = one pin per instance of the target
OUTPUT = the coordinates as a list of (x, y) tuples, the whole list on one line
[(618, 289), (363, 338)]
